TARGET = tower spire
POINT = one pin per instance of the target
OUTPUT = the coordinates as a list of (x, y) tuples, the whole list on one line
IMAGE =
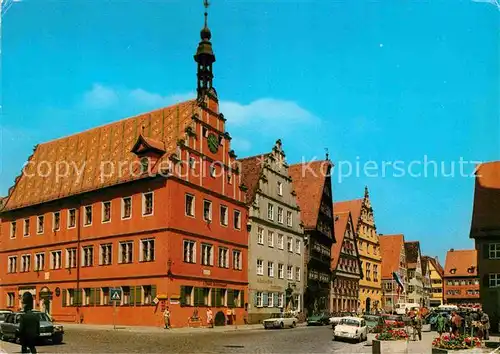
[(205, 57)]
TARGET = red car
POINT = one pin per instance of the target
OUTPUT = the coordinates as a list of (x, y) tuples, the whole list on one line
[(393, 320)]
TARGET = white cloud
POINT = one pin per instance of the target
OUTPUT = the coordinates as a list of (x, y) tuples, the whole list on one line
[(240, 145), (100, 97)]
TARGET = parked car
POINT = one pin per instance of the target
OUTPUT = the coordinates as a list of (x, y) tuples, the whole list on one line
[(393, 320), (279, 320), (319, 319), (351, 328), (3, 314), (373, 321), (48, 329)]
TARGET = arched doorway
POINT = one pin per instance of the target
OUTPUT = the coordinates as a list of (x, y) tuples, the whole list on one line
[(45, 300), (368, 305)]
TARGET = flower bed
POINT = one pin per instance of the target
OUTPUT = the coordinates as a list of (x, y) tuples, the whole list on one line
[(453, 342), (392, 334)]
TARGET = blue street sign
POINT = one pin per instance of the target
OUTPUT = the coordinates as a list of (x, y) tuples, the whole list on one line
[(115, 294)]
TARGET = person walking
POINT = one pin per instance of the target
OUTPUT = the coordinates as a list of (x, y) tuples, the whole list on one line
[(456, 323), (29, 325), (210, 318), (441, 324), (485, 320), (166, 318)]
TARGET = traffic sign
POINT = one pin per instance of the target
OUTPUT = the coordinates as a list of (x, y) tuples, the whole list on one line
[(115, 294)]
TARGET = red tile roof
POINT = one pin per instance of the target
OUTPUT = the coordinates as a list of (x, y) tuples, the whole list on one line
[(390, 249), (353, 206), (111, 143), (341, 220), (436, 264), (485, 215), (461, 261), (251, 168), (308, 181)]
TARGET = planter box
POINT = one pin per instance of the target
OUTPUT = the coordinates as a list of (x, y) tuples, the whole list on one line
[(390, 346), (370, 338), (460, 351)]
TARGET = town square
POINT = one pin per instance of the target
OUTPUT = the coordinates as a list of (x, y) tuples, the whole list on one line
[(250, 177)]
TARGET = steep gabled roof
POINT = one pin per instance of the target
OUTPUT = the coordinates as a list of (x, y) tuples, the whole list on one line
[(251, 169), (390, 249), (86, 152), (341, 220), (459, 262), (412, 250), (435, 263), (485, 217), (352, 206), (308, 181)]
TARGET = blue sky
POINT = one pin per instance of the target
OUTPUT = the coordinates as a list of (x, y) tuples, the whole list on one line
[(371, 81)]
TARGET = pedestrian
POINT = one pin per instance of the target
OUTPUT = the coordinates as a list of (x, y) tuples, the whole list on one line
[(485, 320), (166, 317), (440, 324), (245, 315), (29, 325), (456, 323), (210, 318)]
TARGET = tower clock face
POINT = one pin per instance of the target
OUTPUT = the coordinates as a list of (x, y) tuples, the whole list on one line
[(213, 143)]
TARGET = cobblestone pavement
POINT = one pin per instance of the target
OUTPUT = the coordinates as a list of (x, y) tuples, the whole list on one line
[(296, 340)]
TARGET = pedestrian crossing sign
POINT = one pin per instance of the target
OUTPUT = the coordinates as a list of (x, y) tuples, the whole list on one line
[(115, 294)]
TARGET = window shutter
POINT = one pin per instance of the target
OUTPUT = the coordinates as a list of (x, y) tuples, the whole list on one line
[(138, 295), (141, 251), (132, 296), (153, 292), (77, 297), (230, 298), (101, 256), (183, 295), (265, 301), (64, 294), (255, 299), (218, 299), (212, 297), (98, 296), (242, 298), (92, 297), (67, 259), (82, 257), (486, 251), (275, 299), (486, 280), (120, 253)]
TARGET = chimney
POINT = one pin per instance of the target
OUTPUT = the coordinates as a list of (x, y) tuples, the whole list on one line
[(452, 249)]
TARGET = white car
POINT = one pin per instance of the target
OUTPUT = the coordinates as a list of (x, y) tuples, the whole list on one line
[(351, 328), (335, 319), (279, 320)]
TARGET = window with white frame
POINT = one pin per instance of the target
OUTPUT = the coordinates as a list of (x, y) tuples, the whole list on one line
[(223, 257), (270, 238), (71, 218), (494, 280), (125, 252), (207, 254), (270, 269), (25, 263), (289, 272), (280, 188), (71, 257), (13, 227), (147, 203), (189, 251), (298, 246), (280, 215), (55, 259), (289, 221), (281, 241), (87, 256), (11, 299), (280, 300), (39, 261), (259, 299), (260, 267), (40, 224), (260, 235), (223, 215), (147, 250), (106, 211), (12, 264), (494, 249), (87, 216), (289, 244), (148, 294), (56, 221), (126, 208), (189, 205), (270, 299), (270, 211), (237, 220), (237, 263), (296, 300), (297, 273), (26, 227), (281, 268), (105, 254), (207, 210)]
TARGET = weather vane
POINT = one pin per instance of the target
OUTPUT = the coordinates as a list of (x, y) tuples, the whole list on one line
[(206, 4), (327, 155)]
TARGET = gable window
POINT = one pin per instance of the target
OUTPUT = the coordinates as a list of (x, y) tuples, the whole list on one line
[(126, 249), (237, 220), (106, 212), (207, 210), (39, 261), (147, 250), (26, 227), (13, 226), (280, 215), (56, 260), (281, 269), (189, 251), (260, 236), (237, 260), (260, 267), (40, 222), (126, 208), (144, 164), (494, 249), (71, 257), (223, 257), (147, 203), (270, 269), (270, 238), (12, 264), (189, 205), (56, 223), (88, 215), (25, 262), (280, 188), (71, 218), (289, 218), (270, 211), (207, 256), (223, 215), (105, 254), (87, 256)]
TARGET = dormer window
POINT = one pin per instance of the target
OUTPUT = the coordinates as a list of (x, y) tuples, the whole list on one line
[(453, 271), (144, 164), (471, 270)]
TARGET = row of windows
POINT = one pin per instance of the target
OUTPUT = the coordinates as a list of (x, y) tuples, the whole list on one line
[(270, 299), (190, 210), (280, 270), (368, 271), (131, 295), (280, 241), (125, 255), (459, 292), (280, 215), (88, 215), (322, 277), (462, 282), (207, 255), (214, 297)]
